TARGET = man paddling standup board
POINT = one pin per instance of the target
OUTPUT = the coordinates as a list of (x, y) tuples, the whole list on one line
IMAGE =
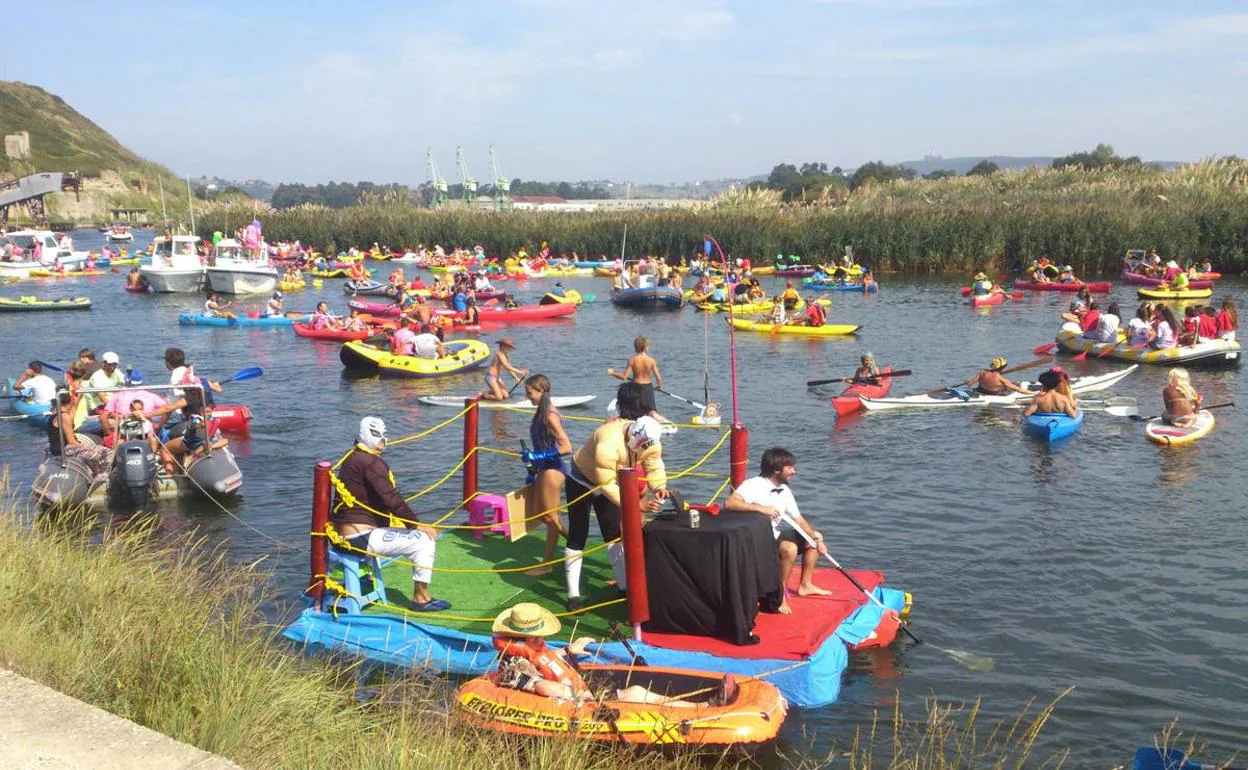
[(643, 370)]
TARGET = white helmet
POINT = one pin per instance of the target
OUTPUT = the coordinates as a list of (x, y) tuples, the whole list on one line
[(372, 432), (644, 433)]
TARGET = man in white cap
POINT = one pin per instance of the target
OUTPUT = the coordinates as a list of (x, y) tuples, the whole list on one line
[(368, 505), (107, 376)]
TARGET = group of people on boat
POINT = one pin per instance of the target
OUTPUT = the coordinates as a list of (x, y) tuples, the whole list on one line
[(1152, 265), (1042, 270), (100, 405), (1154, 325)]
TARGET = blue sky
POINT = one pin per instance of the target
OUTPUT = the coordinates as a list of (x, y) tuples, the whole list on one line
[(638, 90)]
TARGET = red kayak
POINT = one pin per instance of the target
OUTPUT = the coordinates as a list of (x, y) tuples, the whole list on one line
[(983, 300), (1144, 280), (517, 314), (849, 402), (338, 335), (232, 418), (1098, 287)]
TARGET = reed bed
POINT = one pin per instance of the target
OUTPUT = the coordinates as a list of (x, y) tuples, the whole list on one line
[(957, 224)]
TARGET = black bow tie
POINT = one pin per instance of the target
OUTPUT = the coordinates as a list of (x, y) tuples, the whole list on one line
[(777, 490)]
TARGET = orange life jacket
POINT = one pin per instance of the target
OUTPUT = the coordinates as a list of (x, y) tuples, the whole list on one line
[(552, 667)]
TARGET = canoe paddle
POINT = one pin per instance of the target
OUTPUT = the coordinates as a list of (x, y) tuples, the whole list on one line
[(1019, 368), (899, 373), (1134, 414), (968, 659), (250, 373)]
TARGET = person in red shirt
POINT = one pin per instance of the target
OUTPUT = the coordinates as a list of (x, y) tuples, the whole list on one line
[(1228, 320), (1190, 320), (814, 313), (1207, 324), (1090, 319)]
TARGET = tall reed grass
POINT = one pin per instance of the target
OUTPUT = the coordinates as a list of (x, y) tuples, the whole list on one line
[(1087, 218)]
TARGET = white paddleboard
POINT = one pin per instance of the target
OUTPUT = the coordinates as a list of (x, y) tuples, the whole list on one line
[(517, 403)]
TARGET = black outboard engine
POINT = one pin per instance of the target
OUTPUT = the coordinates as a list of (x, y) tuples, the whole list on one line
[(134, 473), (61, 484)]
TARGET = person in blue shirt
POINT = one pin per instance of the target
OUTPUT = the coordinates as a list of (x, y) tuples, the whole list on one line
[(460, 301), (558, 290)]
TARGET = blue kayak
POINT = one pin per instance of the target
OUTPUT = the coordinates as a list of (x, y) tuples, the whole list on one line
[(1052, 427), (37, 412), (838, 286), (198, 319), (649, 296)]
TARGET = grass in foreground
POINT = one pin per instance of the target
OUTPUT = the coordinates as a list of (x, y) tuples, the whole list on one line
[(169, 637)]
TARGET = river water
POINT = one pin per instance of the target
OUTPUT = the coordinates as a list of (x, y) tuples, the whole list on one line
[(1108, 564)]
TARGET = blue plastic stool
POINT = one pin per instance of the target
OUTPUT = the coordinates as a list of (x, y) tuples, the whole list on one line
[(351, 563)]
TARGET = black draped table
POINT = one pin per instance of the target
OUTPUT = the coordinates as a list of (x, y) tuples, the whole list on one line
[(709, 581)]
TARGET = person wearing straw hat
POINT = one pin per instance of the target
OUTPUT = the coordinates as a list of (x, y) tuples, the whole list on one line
[(990, 381), (527, 663), (494, 390)]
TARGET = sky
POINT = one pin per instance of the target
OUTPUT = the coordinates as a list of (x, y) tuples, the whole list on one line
[(646, 91)]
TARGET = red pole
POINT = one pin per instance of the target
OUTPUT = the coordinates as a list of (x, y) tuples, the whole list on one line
[(739, 454), (470, 446), (634, 550), (320, 544)]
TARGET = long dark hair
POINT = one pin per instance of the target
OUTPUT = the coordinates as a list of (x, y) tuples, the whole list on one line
[(541, 382), (630, 400)]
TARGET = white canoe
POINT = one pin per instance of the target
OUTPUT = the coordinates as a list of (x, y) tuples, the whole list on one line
[(515, 403), (946, 398)]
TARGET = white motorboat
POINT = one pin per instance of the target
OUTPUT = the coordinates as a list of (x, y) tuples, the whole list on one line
[(119, 233), (176, 267), (234, 271), (42, 249)]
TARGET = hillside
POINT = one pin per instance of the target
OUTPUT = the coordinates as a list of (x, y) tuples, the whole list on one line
[(62, 139)]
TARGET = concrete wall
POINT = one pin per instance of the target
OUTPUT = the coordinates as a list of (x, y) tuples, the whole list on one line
[(17, 146)]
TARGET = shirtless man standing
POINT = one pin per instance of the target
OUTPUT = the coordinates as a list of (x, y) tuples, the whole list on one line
[(643, 370)]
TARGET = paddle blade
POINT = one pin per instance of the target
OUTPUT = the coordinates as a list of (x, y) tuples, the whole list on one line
[(966, 291), (1016, 295), (1122, 411), (1041, 350), (247, 374), (1081, 356)]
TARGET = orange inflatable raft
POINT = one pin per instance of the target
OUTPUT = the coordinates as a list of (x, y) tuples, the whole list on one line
[(728, 710)]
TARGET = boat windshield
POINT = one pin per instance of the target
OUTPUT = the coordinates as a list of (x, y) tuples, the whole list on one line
[(229, 252), (24, 241), (185, 248)]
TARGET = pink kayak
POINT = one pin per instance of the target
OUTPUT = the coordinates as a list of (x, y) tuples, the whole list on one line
[(524, 313), (1144, 280), (983, 300), (1097, 287)]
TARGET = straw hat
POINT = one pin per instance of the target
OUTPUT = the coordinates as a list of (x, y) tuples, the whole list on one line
[(507, 342), (997, 363), (526, 619), (980, 277)]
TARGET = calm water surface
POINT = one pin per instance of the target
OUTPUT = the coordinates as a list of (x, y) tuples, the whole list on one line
[(1108, 564)]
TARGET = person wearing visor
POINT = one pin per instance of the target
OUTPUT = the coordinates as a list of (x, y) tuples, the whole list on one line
[(107, 376), (365, 514)]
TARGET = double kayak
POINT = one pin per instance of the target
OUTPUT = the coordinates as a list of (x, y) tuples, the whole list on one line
[(1159, 431), (505, 315), (797, 329), (1168, 294), (461, 356), (964, 396), (1205, 352), (199, 319), (750, 308), (27, 304), (727, 710), (515, 403), (66, 273), (1096, 287), (337, 335), (1147, 280), (850, 399), (1052, 427)]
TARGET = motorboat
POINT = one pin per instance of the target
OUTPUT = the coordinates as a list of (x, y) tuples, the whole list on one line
[(119, 233), (51, 254), (175, 267), (235, 271)]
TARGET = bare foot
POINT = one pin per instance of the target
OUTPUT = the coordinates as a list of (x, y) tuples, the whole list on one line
[(812, 590), (785, 609), (612, 582), (539, 571)]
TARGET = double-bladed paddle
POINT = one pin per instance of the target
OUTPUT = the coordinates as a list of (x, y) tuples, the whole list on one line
[(1134, 413), (1019, 368), (899, 373)]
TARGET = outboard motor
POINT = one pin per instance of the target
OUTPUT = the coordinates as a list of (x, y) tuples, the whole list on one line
[(134, 473), (61, 484)]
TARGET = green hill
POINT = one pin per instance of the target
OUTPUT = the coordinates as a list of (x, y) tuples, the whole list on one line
[(62, 139)]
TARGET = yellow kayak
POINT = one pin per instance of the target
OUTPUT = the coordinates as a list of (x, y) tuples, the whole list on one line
[(1175, 293), (754, 308), (763, 270), (799, 329), (292, 285)]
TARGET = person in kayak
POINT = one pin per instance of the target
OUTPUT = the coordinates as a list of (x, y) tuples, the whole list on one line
[(42, 387), (592, 481), (643, 370), (815, 316), (136, 281), (991, 382), (866, 374), (1037, 273), (274, 307), (1067, 275), (982, 285), (790, 296), (214, 308), (546, 469), (528, 664), (1181, 402), (1051, 400), (768, 493), (367, 501), (494, 374), (323, 319)]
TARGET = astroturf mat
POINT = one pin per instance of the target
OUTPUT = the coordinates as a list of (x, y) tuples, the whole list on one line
[(481, 595)]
